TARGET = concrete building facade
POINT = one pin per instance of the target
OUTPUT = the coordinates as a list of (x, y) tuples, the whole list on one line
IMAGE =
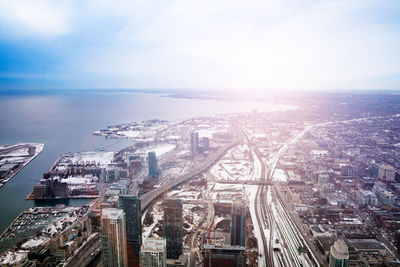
[(113, 238)]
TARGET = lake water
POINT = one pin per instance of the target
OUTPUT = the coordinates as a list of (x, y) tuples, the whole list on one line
[(64, 122)]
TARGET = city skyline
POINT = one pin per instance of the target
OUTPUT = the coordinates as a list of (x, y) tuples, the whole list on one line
[(173, 133)]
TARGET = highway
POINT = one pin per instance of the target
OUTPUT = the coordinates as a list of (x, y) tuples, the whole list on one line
[(86, 253), (147, 198)]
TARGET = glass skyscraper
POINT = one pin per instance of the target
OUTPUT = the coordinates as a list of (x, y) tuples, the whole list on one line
[(173, 227), (238, 224), (133, 216), (153, 163)]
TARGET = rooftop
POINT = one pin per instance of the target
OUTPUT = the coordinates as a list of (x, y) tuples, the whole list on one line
[(112, 213)]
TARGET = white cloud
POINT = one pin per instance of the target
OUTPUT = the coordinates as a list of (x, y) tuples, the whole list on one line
[(273, 44), (252, 44), (38, 17)]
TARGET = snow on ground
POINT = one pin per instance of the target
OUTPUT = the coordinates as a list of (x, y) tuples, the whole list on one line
[(231, 187), (102, 158), (218, 219), (187, 212), (279, 176), (157, 216), (260, 135), (161, 149), (235, 165), (209, 133), (225, 196), (251, 191), (34, 242), (183, 152), (12, 160), (88, 179), (131, 134), (184, 194), (219, 173), (269, 196), (319, 153), (10, 258), (173, 137), (257, 167), (57, 226), (138, 132), (19, 152)]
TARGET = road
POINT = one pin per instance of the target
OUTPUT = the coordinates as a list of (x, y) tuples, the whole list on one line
[(147, 198), (372, 227), (263, 252), (268, 219), (86, 253), (288, 229)]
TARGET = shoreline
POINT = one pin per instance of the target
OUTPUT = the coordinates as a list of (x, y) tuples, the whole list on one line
[(38, 149), (32, 197)]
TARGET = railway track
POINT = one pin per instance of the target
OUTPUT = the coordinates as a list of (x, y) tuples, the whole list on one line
[(259, 209)]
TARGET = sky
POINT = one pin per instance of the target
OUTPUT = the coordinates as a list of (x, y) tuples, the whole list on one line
[(262, 45)]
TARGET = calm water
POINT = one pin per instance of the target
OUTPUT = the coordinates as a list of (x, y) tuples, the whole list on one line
[(65, 122)]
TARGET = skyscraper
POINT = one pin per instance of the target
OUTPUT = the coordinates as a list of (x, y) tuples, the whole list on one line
[(194, 142), (173, 227), (205, 144), (238, 224), (153, 164), (131, 207), (339, 256), (153, 253), (113, 238)]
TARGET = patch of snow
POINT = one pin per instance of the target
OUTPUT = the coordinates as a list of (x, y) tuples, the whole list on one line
[(12, 258), (162, 149), (319, 153), (102, 158), (251, 191), (34, 242), (88, 179), (279, 176), (232, 187)]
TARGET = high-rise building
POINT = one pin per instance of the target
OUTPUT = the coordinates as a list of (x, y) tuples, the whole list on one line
[(339, 256), (173, 227), (238, 224), (386, 173), (373, 169), (205, 144), (233, 256), (113, 238), (153, 253), (133, 214), (194, 142), (110, 174), (153, 164)]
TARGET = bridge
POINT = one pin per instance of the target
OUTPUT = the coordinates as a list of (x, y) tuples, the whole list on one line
[(147, 198)]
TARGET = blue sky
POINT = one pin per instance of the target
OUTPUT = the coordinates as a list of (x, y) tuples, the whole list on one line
[(244, 45)]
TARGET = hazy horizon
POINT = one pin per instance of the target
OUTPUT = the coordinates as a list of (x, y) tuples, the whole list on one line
[(256, 46)]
